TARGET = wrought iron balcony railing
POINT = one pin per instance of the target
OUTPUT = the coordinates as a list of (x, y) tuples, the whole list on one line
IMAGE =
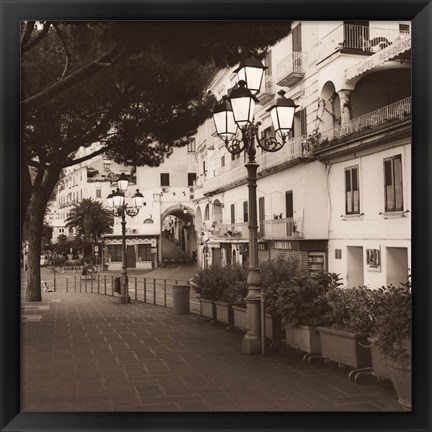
[(286, 228), (356, 39), (291, 69)]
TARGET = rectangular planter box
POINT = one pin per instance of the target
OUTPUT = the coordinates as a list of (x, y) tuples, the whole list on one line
[(224, 312), (240, 318), (379, 364), (208, 308), (304, 338), (344, 348), (274, 331)]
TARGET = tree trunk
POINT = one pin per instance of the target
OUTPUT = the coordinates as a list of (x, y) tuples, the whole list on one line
[(34, 230), (34, 226)]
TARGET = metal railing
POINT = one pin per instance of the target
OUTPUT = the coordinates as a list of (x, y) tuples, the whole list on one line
[(235, 231), (147, 290), (293, 63), (361, 38), (281, 228), (396, 111), (226, 176)]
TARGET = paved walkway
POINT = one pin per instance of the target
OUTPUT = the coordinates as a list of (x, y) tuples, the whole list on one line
[(87, 352)]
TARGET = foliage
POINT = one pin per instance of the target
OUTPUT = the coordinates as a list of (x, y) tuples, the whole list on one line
[(392, 329), (352, 309), (90, 219), (301, 300), (274, 272), (222, 283)]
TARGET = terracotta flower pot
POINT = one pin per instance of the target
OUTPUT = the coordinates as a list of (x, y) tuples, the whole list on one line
[(240, 318), (208, 309)]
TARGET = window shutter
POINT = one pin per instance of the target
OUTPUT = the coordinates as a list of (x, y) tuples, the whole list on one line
[(397, 168)]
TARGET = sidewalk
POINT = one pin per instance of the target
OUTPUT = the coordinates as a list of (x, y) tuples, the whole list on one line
[(87, 352)]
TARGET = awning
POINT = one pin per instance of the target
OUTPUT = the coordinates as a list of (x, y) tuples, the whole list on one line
[(399, 46)]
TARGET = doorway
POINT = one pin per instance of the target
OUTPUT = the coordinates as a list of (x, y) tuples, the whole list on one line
[(397, 265), (355, 266), (130, 257)]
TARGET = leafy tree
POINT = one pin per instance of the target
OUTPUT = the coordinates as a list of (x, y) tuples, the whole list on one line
[(139, 89)]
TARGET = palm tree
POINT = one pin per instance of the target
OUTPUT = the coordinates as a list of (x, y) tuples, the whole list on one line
[(90, 220)]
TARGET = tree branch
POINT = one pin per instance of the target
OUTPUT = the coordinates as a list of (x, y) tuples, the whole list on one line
[(66, 50), (84, 158), (28, 29), (63, 85), (37, 39)]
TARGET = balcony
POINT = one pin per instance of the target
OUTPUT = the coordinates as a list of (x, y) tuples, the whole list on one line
[(269, 89), (291, 69), (276, 229), (226, 178), (380, 120), (236, 231), (355, 39)]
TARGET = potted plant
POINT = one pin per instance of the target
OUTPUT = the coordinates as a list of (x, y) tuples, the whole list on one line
[(303, 307), (344, 338), (273, 272), (392, 336), (233, 291), (208, 284)]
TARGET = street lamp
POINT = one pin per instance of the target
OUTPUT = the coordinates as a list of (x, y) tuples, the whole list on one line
[(237, 110), (116, 201)]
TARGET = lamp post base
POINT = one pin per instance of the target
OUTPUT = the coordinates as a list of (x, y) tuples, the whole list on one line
[(125, 299), (251, 345)]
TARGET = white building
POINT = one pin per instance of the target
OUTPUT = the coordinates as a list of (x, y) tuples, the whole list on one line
[(338, 193)]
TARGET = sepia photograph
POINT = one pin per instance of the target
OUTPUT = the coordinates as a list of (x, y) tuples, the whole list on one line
[(216, 216)]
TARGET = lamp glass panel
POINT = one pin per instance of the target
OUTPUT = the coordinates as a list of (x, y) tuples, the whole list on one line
[(118, 200), (253, 78), (282, 118), (243, 110), (123, 185), (110, 201), (137, 201), (225, 124)]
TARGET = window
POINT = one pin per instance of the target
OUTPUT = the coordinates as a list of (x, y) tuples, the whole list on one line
[(144, 252), (232, 213), (115, 253), (404, 28), (352, 197), (245, 211), (222, 161), (207, 212), (191, 178), (107, 165), (338, 253), (289, 204), (98, 193), (393, 184), (191, 146), (296, 39), (165, 180), (204, 168)]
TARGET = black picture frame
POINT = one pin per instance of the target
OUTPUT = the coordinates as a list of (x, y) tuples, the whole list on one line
[(11, 12)]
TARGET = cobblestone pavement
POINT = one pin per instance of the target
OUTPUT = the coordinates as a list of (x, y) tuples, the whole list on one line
[(87, 352)]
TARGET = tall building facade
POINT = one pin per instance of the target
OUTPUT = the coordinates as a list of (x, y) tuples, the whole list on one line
[(337, 195)]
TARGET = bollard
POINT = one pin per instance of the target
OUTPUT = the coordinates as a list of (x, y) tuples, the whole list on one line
[(98, 283), (85, 284), (75, 284), (80, 283), (105, 284), (181, 299)]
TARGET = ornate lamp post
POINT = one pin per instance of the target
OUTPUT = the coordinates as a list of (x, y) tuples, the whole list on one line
[(116, 201), (237, 111)]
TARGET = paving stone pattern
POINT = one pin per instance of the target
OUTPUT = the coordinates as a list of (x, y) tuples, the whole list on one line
[(88, 352)]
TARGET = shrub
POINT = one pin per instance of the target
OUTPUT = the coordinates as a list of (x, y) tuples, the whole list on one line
[(302, 299), (274, 272), (352, 309), (222, 283), (393, 321)]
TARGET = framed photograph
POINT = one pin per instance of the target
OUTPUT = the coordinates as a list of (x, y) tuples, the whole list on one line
[(187, 191)]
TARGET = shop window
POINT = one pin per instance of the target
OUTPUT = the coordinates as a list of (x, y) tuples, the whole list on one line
[(144, 252), (393, 184), (352, 196), (115, 253)]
